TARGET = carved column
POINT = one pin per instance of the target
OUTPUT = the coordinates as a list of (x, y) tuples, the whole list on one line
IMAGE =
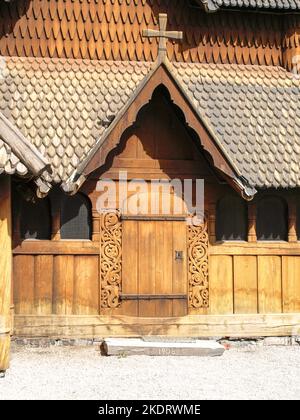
[(252, 222), (56, 201), (292, 230), (96, 226), (197, 242), (212, 223), (110, 259)]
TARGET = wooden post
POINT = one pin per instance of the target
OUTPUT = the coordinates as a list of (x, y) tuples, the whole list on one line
[(212, 223), (252, 222), (292, 230), (5, 271)]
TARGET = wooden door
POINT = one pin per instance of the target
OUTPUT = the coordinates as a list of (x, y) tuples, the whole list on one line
[(154, 273)]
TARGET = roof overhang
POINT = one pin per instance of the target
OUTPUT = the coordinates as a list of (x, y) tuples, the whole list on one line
[(34, 162)]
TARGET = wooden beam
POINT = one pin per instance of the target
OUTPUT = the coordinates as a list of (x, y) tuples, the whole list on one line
[(95, 326), (22, 148), (258, 248), (126, 296), (5, 271)]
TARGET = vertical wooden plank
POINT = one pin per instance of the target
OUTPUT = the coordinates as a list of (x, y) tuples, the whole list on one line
[(269, 284), (63, 279), (180, 285), (163, 266), (146, 266), (221, 284), (68, 263), (5, 271), (43, 275), (291, 283), (245, 284), (24, 284), (86, 285), (130, 266)]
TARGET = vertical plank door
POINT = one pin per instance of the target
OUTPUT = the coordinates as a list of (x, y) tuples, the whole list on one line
[(151, 273)]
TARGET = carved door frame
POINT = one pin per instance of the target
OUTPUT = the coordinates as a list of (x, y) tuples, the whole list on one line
[(111, 263)]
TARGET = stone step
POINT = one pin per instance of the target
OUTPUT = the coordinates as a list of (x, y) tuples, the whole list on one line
[(175, 347)]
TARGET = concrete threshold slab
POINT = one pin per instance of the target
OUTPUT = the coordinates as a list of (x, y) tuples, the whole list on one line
[(140, 346)]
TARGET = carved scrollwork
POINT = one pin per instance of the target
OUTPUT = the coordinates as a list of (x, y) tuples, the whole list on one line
[(111, 259), (198, 265)]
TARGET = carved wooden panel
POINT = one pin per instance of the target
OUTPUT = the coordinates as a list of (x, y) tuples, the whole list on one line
[(111, 259), (197, 238)]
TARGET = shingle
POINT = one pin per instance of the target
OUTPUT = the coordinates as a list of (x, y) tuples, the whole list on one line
[(252, 110), (261, 118), (57, 116)]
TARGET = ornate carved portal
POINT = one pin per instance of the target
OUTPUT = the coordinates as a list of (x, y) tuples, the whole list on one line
[(111, 259), (111, 262), (197, 244)]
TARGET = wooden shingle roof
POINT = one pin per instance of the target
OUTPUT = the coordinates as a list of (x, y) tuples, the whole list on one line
[(17, 154), (65, 107), (253, 111)]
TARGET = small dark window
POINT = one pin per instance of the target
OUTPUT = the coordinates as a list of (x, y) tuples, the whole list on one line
[(35, 219), (75, 219), (231, 219), (272, 219)]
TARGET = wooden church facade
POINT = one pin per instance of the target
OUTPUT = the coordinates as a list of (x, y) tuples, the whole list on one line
[(91, 89)]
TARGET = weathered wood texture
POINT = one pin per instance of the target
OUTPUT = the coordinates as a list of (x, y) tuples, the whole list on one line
[(23, 149), (5, 271), (262, 284), (56, 284), (255, 325), (112, 30), (155, 266), (63, 284)]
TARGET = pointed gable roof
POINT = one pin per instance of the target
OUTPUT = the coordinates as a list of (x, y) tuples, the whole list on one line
[(162, 73)]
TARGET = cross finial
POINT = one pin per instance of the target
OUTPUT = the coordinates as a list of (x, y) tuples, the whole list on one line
[(162, 34)]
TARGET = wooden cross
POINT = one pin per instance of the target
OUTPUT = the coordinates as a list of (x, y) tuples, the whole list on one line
[(162, 34)]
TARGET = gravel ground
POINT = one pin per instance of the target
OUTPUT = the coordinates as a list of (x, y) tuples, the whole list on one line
[(81, 373)]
